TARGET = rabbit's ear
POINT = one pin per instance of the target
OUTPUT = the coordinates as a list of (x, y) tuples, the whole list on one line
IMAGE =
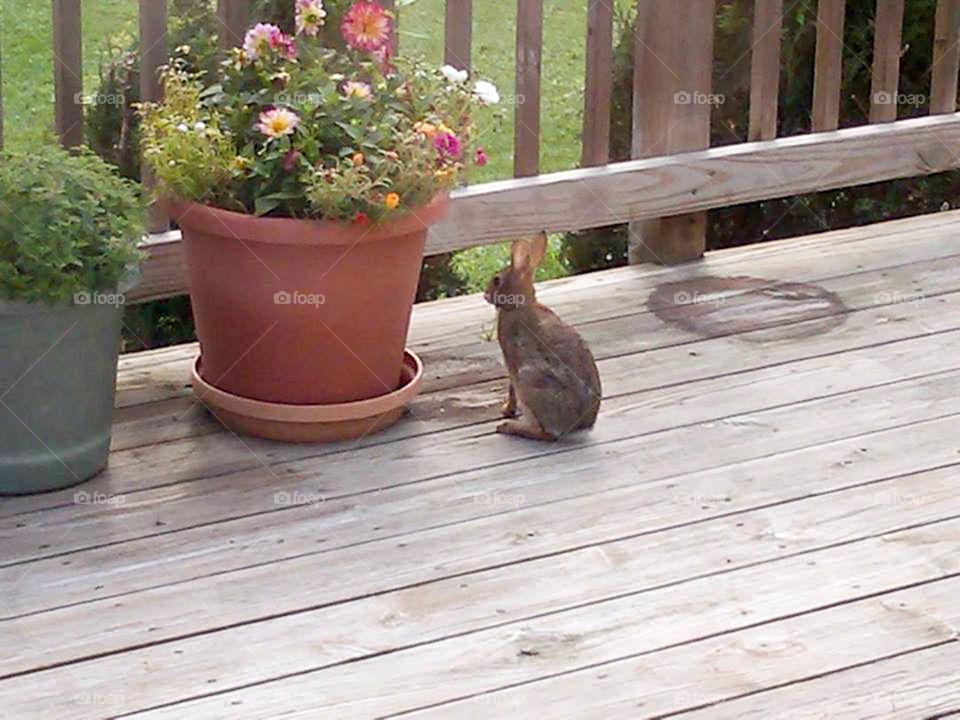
[(520, 257), (538, 248)]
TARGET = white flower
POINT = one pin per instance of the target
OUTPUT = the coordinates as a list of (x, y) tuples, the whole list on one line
[(454, 75), (487, 92), (182, 127), (200, 126)]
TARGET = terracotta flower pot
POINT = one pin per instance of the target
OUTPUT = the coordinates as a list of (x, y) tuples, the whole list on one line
[(302, 312)]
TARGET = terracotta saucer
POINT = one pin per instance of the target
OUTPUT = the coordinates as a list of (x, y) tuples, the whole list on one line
[(310, 423)]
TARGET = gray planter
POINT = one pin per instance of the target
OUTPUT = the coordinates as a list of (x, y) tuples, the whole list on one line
[(58, 369)]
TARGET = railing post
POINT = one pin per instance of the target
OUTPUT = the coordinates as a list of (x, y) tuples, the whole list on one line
[(233, 22), (458, 28), (886, 61), (946, 58), (595, 144), (672, 105), (828, 65), (153, 54), (526, 134), (765, 69), (68, 71)]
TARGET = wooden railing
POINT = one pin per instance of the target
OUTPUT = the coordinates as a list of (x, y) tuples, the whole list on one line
[(675, 177)]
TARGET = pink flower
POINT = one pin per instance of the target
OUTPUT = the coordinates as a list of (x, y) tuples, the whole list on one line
[(447, 144), (310, 16), (481, 158), (263, 38), (382, 57), (277, 122), (352, 88), (366, 26)]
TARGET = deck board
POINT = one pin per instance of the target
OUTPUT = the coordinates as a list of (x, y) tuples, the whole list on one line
[(812, 458)]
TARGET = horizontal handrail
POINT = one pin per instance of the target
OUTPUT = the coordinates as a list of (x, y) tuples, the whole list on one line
[(656, 187)]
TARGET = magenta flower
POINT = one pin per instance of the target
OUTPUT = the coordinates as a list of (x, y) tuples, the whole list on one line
[(481, 158), (447, 144)]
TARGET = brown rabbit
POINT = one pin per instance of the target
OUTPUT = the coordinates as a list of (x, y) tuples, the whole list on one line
[(554, 383)]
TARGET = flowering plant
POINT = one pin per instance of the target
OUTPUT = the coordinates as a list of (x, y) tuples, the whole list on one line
[(300, 129)]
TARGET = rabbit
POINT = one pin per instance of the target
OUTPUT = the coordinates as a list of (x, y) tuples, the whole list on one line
[(554, 383)]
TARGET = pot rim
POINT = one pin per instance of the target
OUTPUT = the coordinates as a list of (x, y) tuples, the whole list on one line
[(294, 231), (326, 413)]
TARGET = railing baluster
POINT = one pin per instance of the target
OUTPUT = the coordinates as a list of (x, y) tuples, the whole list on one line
[(765, 69), (828, 69), (598, 85), (526, 136), (946, 58), (672, 107), (68, 71), (458, 29), (153, 54), (886, 61), (233, 22)]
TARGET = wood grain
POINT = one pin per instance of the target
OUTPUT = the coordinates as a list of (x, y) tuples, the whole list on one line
[(765, 69), (673, 71), (828, 65), (458, 31), (595, 144), (633, 622), (526, 135), (713, 672), (946, 58), (232, 17), (887, 47), (68, 72), (153, 55)]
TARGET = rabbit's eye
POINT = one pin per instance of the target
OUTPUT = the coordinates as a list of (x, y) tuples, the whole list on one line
[(496, 281)]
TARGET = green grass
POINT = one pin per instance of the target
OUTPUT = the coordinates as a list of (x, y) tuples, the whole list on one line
[(27, 41)]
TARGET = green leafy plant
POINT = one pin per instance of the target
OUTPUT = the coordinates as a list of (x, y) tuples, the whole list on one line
[(111, 124), (68, 224), (298, 128)]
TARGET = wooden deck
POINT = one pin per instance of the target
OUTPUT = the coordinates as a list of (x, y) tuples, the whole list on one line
[(765, 522)]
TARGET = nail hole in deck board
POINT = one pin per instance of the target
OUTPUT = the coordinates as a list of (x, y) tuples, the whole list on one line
[(711, 306)]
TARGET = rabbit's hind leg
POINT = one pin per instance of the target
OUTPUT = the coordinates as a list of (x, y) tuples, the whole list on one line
[(527, 428)]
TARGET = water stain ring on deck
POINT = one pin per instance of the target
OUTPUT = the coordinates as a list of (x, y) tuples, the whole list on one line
[(711, 306)]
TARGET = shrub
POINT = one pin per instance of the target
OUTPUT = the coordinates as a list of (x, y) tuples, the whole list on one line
[(68, 224)]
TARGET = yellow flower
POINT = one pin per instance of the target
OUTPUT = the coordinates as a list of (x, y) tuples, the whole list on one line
[(357, 159), (442, 173), (391, 200)]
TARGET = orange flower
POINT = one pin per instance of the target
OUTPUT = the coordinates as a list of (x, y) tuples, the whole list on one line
[(425, 128), (357, 159), (391, 200)]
